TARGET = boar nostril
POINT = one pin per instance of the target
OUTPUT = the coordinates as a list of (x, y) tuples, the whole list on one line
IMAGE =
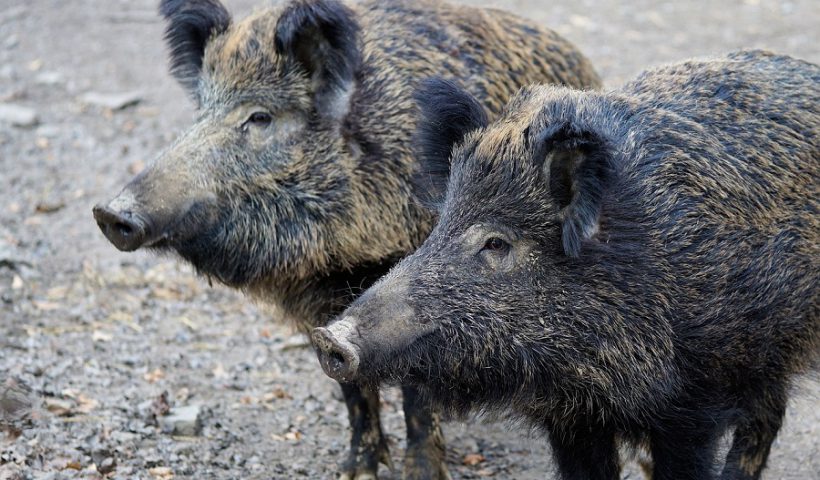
[(123, 229), (337, 356)]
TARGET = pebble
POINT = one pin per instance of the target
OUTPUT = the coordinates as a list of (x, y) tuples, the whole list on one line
[(112, 101), (18, 115), (183, 421), (107, 466), (49, 78)]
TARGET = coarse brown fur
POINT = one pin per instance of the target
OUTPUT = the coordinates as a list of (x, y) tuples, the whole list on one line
[(637, 266), (294, 183)]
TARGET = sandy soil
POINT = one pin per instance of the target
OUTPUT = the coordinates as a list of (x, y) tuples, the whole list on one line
[(99, 336)]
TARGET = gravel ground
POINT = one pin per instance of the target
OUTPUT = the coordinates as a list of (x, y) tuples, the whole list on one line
[(107, 344)]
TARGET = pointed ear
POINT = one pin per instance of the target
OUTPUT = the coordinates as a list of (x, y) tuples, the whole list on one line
[(447, 114), (323, 37), (578, 166), (190, 25)]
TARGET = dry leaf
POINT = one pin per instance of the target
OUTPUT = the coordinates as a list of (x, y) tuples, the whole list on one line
[(188, 323), (46, 306), (86, 404), (473, 459), (277, 393), (219, 371), (57, 293), (100, 336), (73, 465), (59, 407), (162, 473), (152, 377)]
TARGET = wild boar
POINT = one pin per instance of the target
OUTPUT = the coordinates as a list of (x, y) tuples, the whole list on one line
[(294, 183), (639, 266)]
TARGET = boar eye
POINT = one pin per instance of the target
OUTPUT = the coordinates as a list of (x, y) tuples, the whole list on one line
[(259, 119), (495, 244)]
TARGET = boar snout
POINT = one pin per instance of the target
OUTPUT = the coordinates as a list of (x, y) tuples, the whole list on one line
[(122, 226), (338, 356)]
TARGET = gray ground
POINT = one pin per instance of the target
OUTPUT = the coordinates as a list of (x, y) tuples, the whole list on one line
[(99, 335)]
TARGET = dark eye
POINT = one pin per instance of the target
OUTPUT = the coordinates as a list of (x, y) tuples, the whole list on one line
[(495, 244), (260, 118)]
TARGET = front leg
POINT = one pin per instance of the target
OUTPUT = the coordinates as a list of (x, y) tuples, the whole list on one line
[(685, 449), (584, 453), (367, 444), (424, 458)]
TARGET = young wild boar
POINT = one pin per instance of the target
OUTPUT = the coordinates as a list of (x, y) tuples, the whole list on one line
[(639, 266), (293, 184)]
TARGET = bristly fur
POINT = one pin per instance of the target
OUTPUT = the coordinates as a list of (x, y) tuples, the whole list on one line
[(579, 171), (323, 36), (447, 115), (191, 23), (684, 304)]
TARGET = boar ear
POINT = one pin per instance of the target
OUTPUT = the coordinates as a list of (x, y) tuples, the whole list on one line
[(191, 23), (322, 36), (447, 114), (578, 166)]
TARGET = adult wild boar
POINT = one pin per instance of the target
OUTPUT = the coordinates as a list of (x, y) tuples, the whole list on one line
[(638, 266), (293, 184)]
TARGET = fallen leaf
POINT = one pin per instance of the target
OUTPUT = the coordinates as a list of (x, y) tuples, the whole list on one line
[(153, 376), (86, 404), (59, 407), (35, 65), (219, 371), (57, 293), (46, 306), (473, 459), (165, 293), (49, 206), (100, 336), (136, 167), (73, 465), (277, 393), (163, 473), (188, 323)]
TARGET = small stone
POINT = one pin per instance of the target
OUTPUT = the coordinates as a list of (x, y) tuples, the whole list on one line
[(112, 101), (12, 41), (18, 115), (183, 421), (15, 401), (107, 466), (48, 131), (49, 78)]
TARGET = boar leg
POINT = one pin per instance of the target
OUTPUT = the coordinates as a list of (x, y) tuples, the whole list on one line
[(367, 443), (754, 435), (424, 458), (585, 453), (685, 449)]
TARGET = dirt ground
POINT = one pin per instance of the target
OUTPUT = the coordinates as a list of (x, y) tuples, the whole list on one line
[(107, 342)]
